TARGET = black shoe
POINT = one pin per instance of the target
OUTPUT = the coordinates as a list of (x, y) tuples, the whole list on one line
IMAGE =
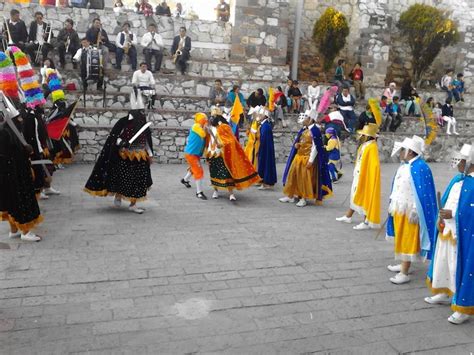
[(201, 196), (186, 183)]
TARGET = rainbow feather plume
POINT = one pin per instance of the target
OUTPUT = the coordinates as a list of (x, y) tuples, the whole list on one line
[(28, 81), (327, 99), (8, 82), (54, 85)]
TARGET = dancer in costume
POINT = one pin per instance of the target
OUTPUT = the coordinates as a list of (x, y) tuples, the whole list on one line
[(412, 209), (333, 147), (34, 128), (228, 166), (306, 174), (193, 153), (365, 191), (18, 204), (123, 167), (68, 145), (253, 133), (266, 152), (452, 269)]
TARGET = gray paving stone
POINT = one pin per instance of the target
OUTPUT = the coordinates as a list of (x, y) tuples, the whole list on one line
[(274, 278)]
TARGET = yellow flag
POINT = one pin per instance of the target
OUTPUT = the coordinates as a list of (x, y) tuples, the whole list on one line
[(271, 99), (376, 110), (237, 110)]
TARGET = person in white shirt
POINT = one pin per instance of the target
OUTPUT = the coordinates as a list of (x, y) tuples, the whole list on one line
[(81, 57), (314, 90), (143, 80), (126, 42), (152, 44), (180, 11)]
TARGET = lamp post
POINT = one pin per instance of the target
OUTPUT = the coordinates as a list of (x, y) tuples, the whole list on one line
[(296, 41)]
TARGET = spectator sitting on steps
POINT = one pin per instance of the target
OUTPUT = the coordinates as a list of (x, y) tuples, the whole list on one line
[(257, 98), (217, 94), (346, 102), (447, 112), (144, 8), (390, 92), (357, 75), (366, 117), (143, 80), (394, 116), (294, 93), (163, 9)]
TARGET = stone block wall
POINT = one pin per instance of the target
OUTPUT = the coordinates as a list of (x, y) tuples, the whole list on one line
[(169, 143), (374, 39), (260, 32)]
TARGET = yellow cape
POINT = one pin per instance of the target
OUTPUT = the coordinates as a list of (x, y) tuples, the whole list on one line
[(368, 194), (253, 144)]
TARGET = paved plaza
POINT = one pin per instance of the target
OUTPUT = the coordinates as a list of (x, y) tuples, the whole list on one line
[(192, 276)]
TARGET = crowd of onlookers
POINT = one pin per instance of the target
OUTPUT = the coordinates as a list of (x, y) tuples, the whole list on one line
[(394, 103)]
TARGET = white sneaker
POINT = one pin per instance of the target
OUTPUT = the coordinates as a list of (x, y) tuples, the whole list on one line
[(232, 198), (456, 133), (287, 199), (361, 226), (400, 278), (441, 298), (395, 268), (117, 202), (264, 187), (344, 219), (136, 209), (51, 191), (43, 196), (301, 203), (14, 235), (215, 195), (458, 318), (30, 237)]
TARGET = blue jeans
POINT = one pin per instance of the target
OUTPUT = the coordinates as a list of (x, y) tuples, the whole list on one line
[(350, 119)]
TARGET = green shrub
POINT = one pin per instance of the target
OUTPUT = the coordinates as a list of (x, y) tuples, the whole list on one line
[(330, 33), (427, 30)]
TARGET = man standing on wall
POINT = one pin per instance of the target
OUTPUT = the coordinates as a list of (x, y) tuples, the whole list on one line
[(223, 11)]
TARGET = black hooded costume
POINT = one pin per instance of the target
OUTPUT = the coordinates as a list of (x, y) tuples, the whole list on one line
[(124, 169), (18, 203)]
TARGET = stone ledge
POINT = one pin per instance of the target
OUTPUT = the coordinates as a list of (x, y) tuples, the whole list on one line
[(169, 144)]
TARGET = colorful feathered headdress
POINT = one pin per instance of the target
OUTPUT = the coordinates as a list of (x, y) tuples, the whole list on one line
[(28, 81), (8, 81), (54, 85)]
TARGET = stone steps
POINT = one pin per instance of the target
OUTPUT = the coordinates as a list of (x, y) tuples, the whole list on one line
[(169, 143), (199, 85), (120, 100)]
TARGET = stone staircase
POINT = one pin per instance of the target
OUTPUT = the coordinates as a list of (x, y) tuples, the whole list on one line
[(180, 97)]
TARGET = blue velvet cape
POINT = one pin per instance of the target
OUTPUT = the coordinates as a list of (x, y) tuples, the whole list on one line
[(266, 155)]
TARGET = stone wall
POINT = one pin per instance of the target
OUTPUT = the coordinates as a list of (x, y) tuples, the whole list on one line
[(169, 143), (260, 32), (374, 38)]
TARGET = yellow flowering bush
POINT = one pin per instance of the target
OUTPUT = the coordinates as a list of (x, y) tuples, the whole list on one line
[(329, 34), (427, 30)]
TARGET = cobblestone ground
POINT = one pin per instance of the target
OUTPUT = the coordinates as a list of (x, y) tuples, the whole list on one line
[(193, 276)]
